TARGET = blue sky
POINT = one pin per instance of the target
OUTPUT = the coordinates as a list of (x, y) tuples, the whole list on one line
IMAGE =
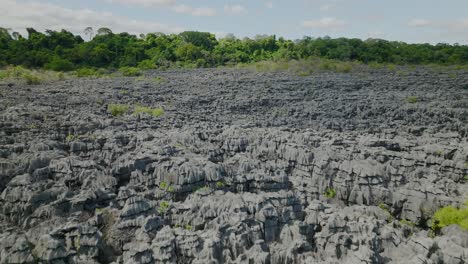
[(416, 21)]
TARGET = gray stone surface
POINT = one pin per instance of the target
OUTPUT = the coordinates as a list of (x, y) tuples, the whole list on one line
[(236, 170)]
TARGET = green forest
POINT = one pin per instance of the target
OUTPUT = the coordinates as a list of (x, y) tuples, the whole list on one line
[(64, 51)]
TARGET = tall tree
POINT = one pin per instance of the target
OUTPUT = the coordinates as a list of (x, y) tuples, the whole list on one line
[(104, 31), (89, 32), (16, 35)]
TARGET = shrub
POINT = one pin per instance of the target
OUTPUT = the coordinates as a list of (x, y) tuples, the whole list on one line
[(147, 65), (406, 222), (383, 206), (87, 72), (117, 109), (70, 137), (450, 215), (163, 206), (343, 67), (330, 193), (159, 79), (219, 184), (31, 79), (163, 185), (59, 64), (130, 71), (188, 227), (156, 112), (412, 99)]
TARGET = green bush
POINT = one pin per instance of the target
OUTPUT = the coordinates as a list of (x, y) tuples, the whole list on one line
[(163, 206), (31, 79), (330, 193), (450, 215), (219, 184), (147, 65), (87, 72), (159, 79), (156, 112), (59, 64), (343, 67), (117, 109), (412, 99), (130, 71)]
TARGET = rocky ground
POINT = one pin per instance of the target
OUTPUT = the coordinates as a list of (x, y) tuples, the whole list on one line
[(243, 167)]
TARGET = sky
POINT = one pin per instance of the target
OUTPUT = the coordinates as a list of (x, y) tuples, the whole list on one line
[(413, 21)]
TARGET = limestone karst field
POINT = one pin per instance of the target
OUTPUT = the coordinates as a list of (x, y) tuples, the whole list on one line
[(235, 166)]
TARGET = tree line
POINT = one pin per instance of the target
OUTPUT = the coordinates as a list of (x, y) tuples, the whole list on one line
[(64, 51)]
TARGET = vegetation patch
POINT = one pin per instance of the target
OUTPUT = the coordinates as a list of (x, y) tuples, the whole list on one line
[(330, 193), (412, 99), (156, 112), (220, 184), (117, 109), (163, 207), (130, 71), (30, 77), (88, 72), (450, 215)]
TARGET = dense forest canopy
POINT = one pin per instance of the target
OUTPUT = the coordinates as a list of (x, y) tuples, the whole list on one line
[(64, 51)]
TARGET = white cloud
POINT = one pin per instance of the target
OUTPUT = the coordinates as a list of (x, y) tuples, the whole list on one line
[(172, 4), (235, 9), (41, 16), (146, 3), (376, 34), (269, 5), (327, 7), (417, 22), (325, 23), (195, 11)]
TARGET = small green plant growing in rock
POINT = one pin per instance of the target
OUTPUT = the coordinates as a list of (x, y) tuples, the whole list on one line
[(220, 184), (383, 206), (188, 227), (412, 99), (77, 242), (439, 153), (303, 73), (156, 112), (159, 79), (450, 215), (201, 189), (124, 92), (465, 177), (387, 210), (70, 137), (163, 206), (406, 222), (330, 193), (171, 189), (117, 109), (163, 185), (32, 126)]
